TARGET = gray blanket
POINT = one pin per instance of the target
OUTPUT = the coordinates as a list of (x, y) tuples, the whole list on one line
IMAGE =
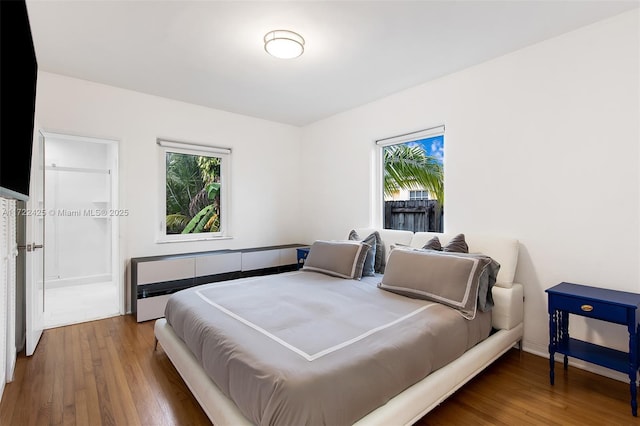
[(304, 348)]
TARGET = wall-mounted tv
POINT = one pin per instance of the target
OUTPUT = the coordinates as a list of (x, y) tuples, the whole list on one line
[(18, 75)]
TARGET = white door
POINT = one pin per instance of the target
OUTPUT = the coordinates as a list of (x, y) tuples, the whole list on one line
[(34, 292)]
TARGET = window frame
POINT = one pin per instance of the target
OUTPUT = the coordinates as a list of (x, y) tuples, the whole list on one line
[(378, 199), (166, 145)]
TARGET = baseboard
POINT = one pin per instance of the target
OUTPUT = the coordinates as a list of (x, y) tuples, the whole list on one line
[(68, 282), (583, 365)]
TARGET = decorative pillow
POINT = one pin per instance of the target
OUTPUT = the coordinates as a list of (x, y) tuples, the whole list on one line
[(452, 279), (433, 244), (368, 270), (379, 249), (457, 245), (343, 259), (486, 281)]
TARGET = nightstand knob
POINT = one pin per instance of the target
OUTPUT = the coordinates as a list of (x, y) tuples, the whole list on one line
[(586, 308)]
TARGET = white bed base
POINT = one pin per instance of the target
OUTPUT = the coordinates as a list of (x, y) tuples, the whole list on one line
[(405, 408)]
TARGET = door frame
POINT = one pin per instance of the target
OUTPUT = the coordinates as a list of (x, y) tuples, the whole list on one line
[(117, 269)]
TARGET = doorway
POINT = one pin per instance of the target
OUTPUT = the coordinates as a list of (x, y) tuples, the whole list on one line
[(80, 230)]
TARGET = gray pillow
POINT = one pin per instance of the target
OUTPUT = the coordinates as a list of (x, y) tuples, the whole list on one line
[(486, 281), (379, 251), (457, 245), (343, 259), (449, 278), (433, 244), (368, 270)]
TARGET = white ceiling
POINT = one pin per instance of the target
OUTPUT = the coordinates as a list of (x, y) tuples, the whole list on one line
[(211, 52)]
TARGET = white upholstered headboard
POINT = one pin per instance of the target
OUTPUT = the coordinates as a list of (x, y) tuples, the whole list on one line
[(508, 297), (389, 237), (503, 250)]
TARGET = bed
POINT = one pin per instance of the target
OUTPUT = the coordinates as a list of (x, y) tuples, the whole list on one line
[(276, 348)]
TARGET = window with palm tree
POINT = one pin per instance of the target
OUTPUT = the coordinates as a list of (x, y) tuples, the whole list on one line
[(414, 167), (193, 193)]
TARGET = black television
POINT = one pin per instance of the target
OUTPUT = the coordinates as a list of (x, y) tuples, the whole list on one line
[(18, 76)]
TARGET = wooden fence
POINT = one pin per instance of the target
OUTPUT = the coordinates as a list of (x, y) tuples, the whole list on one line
[(413, 215)]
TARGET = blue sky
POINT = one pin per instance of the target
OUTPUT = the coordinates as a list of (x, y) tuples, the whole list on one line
[(433, 146)]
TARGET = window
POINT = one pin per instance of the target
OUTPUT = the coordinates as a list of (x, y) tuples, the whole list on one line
[(419, 195), (413, 180), (194, 191)]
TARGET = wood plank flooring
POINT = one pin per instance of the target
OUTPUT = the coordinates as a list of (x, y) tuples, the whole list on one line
[(107, 373)]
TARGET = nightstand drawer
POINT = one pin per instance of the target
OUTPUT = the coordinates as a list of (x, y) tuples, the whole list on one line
[(590, 308)]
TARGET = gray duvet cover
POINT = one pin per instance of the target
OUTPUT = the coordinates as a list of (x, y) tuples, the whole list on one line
[(304, 348)]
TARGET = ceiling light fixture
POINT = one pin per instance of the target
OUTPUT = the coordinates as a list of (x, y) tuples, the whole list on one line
[(283, 44)]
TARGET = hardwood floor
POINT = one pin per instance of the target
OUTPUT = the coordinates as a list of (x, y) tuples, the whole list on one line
[(107, 373)]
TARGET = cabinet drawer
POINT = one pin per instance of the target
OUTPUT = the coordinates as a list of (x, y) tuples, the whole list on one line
[(165, 270), (253, 260), (218, 264), (590, 308), (151, 307), (288, 256)]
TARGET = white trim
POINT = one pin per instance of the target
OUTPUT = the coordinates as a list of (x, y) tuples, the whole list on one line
[(167, 239), (412, 136), (377, 200), (75, 138), (192, 146)]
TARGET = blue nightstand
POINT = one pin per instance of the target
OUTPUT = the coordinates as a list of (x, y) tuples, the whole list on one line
[(302, 255), (613, 306)]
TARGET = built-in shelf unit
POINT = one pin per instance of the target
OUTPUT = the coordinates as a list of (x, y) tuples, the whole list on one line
[(155, 278)]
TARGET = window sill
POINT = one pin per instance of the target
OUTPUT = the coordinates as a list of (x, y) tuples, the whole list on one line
[(190, 240)]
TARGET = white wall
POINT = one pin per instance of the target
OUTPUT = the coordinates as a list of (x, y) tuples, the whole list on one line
[(540, 144), (264, 166)]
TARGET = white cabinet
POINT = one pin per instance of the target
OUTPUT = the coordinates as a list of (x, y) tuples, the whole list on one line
[(4, 285), (260, 259), (272, 258), (8, 253), (154, 279), (165, 270)]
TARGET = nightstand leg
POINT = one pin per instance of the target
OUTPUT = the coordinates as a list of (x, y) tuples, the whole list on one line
[(633, 366), (552, 344), (564, 335), (634, 401)]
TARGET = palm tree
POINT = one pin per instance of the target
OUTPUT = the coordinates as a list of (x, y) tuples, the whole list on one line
[(409, 167), (193, 193), (184, 180)]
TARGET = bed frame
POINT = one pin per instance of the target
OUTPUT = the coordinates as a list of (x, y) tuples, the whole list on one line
[(405, 408)]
